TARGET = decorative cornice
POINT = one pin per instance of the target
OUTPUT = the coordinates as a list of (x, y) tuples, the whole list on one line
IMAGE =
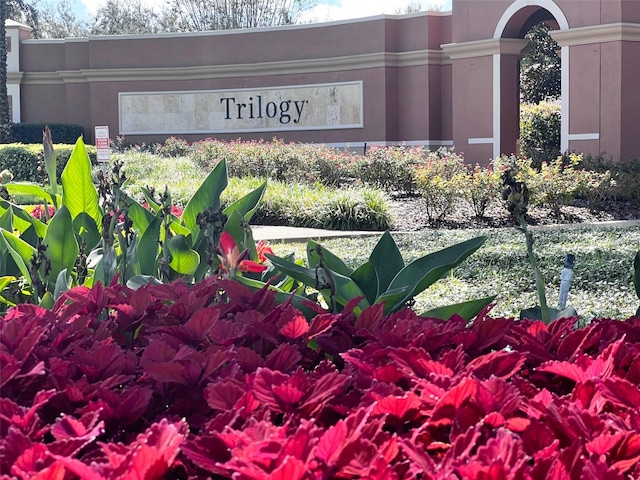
[(14, 77), (611, 32), (483, 48), (352, 62)]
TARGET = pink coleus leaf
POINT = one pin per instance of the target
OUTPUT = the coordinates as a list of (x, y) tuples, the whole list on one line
[(499, 363), (321, 323), (296, 328), (329, 445), (620, 392), (224, 394), (401, 407), (291, 469), (564, 369)]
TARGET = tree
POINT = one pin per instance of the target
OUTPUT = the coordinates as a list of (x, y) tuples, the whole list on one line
[(21, 11), (60, 21), (200, 15), (417, 6), (122, 17), (540, 68)]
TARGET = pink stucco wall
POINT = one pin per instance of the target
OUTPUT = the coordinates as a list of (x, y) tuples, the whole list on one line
[(429, 79)]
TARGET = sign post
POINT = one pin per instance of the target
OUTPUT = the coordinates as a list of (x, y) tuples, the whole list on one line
[(103, 146)]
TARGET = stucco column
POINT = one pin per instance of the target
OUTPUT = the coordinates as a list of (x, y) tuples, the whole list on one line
[(485, 89), (604, 108), (16, 32)]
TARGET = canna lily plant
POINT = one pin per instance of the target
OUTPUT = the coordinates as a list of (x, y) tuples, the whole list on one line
[(102, 235), (383, 279)]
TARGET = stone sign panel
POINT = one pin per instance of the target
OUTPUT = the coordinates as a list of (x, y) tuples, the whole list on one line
[(285, 108)]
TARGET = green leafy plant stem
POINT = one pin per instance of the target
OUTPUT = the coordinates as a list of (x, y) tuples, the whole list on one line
[(540, 285)]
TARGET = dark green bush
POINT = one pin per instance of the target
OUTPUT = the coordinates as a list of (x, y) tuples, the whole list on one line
[(32, 132), (625, 174), (25, 162), (540, 132)]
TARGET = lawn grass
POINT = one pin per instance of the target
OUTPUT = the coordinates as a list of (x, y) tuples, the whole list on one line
[(602, 284)]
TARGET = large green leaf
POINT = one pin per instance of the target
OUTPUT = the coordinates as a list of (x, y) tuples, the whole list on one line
[(23, 222), (20, 251), (140, 216), (247, 205), (62, 247), (331, 261), (63, 284), (86, 230), (424, 271), (6, 218), (345, 288), (206, 197), (79, 193), (184, 260), (387, 260), (33, 189), (366, 278), (282, 296), (467, 310), (149, 246)]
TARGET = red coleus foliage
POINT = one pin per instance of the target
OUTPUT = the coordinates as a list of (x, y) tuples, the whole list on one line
[(169, 382)]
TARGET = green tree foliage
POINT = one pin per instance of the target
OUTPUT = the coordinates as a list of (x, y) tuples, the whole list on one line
[(540, 68), (200, 15), (58, 20), (118, 17)]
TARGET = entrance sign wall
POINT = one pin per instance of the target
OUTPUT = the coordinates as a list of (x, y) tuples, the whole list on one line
[(275, 109), (434, 79)]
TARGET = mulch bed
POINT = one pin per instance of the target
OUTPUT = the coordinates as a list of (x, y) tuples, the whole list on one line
[(408, 215)]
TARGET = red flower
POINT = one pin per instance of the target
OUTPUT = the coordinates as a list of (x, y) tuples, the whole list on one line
[(263, 247), (233, 260)]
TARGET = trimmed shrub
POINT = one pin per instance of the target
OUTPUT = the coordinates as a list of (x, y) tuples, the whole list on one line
[(626, 176), (25, 162), (391, 168), (276, 160), (482, 188), (440, 182), (173, 147), (540, 132), (32, 132)]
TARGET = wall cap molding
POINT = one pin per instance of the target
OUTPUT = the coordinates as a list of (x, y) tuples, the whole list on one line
[(288, 67), (483, 48), (611, 32)]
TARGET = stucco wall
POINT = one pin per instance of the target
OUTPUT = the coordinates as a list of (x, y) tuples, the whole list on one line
[(395, 57), (428, 79)]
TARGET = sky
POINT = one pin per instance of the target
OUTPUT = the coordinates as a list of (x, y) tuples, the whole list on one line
[(326, 10)]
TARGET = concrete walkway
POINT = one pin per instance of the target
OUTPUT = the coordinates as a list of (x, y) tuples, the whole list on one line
[(296, 234)]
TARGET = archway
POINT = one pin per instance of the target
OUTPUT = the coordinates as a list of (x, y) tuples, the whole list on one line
[(515, 22)]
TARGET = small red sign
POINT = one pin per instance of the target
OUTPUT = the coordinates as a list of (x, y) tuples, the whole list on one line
[(103, 145)]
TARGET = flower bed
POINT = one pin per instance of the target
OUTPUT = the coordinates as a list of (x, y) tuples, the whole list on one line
[(171, 381)]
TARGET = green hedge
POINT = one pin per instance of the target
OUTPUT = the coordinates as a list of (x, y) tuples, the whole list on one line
[(540, 132), (32, 132), (25, 162)]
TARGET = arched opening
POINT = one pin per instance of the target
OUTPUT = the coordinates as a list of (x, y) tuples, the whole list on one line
[(516, 22), (540, 95)]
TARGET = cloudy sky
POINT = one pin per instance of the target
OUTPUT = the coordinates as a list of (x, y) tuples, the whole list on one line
[(325, 10)]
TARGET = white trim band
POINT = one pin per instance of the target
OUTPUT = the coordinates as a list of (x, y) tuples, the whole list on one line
[(584, 136), (480, 141)]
